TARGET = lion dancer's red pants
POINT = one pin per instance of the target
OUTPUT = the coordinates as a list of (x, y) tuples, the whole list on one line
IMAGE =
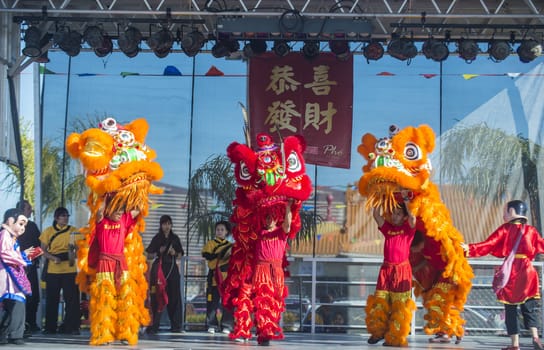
[(265, 297), (270, 292)]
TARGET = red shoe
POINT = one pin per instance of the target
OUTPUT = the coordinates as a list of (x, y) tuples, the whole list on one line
[(511, 348)]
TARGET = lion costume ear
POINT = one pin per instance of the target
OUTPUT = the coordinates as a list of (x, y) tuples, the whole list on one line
[(139, 128), (367, 146), (425, 137), (73, 145)]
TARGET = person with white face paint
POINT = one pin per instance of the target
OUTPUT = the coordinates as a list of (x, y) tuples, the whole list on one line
[(14, 285)]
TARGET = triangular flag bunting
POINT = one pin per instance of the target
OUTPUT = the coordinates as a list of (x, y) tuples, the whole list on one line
[(214, 72), (385, 74), (44, 70), (172, 71), (126, 74), (469, 76), (513, 75), (428, 76)]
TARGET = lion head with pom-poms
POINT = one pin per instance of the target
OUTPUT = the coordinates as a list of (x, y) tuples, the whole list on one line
[(117, 162), (270, 176)]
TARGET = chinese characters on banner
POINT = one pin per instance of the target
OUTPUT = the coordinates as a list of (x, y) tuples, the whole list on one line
[(293, 95)]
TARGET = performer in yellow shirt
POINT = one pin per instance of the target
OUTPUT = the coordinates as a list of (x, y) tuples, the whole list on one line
[(58, 243), (217, 253)]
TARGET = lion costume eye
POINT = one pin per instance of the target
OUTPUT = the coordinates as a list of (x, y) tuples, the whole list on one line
[(412, 151), (293, 163), (244, 172)]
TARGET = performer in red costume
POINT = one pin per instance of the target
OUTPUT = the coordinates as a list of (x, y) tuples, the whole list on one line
[(268, 278), (389, 310), (522, 288), (107, 257), (272, 183)]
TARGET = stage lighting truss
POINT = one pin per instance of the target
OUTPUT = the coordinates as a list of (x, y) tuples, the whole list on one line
[(340, 48), (528, 50), (468, 50), (32, 38), (310, 49), (281, 48), (129, 41), (402, 49), (499, 50), (161, 42), (435, 50), (192, 42), (68, 41), (373, 51)]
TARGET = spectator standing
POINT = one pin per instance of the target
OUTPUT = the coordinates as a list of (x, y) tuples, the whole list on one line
[(522, 288), (14, 285), (60, 274), (166, 248), (31, 238), (217, 253)]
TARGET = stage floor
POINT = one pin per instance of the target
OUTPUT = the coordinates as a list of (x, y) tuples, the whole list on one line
[(292, 341)]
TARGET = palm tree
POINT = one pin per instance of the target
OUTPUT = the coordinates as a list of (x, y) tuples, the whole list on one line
[(211, 192), (483, 162)]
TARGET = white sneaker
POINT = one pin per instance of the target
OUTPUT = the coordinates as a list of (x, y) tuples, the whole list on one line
[(211, 330), (225, 331)]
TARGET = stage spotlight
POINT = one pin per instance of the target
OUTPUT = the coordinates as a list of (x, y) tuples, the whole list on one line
[(435, 50), (310, 50), (402, 49), (468, 50), (161, 42), (32, 42), (373, 51), (528, 50), (340, 48), (43, 58), (93, 36), (281, 48), (192, 43), (224, 47), (106, 47), (100, 43), (255, 47), (68, 41), (499, 50), (129, 41)]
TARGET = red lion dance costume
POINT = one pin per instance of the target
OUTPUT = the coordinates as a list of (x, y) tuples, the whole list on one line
[(400, 162), (120, 167), (268, 178)]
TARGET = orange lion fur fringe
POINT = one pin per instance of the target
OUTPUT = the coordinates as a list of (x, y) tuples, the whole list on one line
[(377, 316)]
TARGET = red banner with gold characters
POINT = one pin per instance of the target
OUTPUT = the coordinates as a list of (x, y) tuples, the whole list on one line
[(314, 98)]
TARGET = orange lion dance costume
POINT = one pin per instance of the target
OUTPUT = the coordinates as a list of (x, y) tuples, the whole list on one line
[(268, 178), (396, 163), (118, 165)]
